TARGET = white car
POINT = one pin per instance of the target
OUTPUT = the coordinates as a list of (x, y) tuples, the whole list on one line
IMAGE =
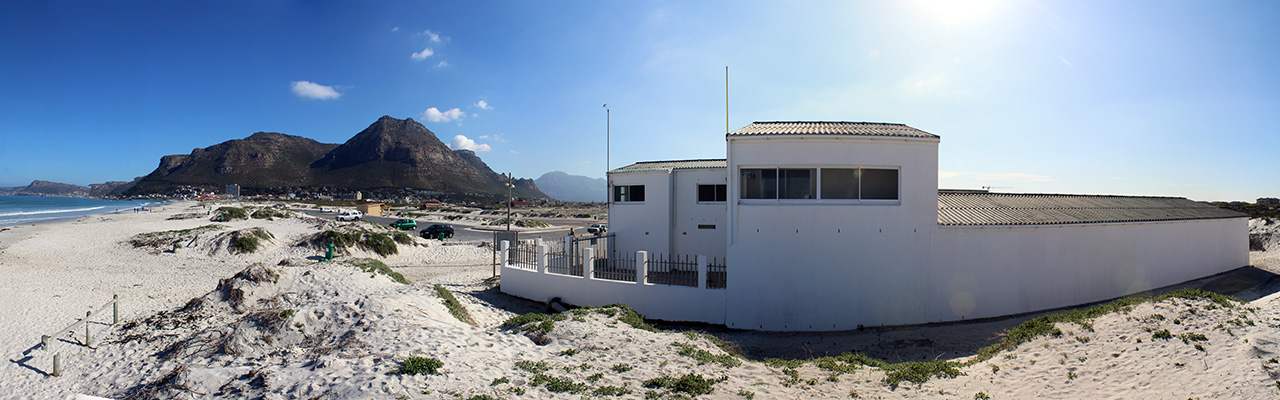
[(597, 229), (349, 216)]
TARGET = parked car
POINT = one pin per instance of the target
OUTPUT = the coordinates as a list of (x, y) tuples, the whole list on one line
[(405, 223), (597, 229), (435, 231), (349, 216)]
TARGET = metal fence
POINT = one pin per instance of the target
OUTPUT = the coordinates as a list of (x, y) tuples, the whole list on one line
[(524, 255), (616, 267), (563, 260), (673, 270), (716, 273)]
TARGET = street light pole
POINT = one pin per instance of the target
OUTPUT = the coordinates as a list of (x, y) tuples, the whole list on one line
[(608, 184), (509, 186)]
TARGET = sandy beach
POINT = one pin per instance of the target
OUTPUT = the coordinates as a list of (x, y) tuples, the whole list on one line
[(203, 320)]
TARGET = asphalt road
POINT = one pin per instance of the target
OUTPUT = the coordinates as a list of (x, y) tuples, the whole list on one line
[(467, 234)]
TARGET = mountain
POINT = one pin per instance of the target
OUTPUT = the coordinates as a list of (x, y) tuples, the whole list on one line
[(46, 188), (562, 186), (390, 153)]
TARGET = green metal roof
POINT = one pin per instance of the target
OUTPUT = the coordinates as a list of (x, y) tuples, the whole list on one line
[(649, 166)]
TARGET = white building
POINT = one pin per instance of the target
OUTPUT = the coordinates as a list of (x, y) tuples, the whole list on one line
[(837, 225)]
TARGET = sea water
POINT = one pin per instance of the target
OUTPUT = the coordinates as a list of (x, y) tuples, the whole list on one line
[(15, 210)]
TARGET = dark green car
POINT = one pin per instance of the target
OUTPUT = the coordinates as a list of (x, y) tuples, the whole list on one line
[(405, 224)]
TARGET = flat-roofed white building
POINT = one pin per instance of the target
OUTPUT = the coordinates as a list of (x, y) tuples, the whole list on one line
[(818, 226)]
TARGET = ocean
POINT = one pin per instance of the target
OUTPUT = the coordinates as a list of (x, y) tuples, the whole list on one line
[(17, 210)]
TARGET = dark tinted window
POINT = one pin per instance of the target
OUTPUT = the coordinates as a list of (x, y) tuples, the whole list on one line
[(879, 184)]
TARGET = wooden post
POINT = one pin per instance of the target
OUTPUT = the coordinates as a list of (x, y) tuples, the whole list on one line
[(88, 340)]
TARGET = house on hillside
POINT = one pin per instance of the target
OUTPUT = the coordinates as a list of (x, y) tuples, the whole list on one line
[(818, 226)]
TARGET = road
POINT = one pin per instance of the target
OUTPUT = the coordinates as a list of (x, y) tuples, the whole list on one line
[(467, 234)]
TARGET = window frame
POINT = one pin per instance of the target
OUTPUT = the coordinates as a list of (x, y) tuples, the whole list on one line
[(629, 193), (817, 183)]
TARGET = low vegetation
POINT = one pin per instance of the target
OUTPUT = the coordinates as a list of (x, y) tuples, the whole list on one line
[(378, 267), (455, 308), (378, 242), (419, 366), (248, 240), (168, 239), (224, 214)]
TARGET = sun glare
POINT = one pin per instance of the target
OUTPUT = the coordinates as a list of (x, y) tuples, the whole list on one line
[(950, 12)]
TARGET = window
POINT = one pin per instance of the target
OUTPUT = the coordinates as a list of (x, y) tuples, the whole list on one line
[(839, 183), (628, 193), (803, 183), (879, 184), (760, 183), (798, 183), (712, 193)]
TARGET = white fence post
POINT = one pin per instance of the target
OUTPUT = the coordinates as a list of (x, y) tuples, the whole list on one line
[(642, 266), (503, 246), (702, 271), (588, 262), (542, 257)]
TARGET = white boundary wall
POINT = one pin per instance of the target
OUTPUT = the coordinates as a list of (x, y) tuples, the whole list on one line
[(664, 302)]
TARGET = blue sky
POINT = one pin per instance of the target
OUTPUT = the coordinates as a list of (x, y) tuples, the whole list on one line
[(1110, 97)]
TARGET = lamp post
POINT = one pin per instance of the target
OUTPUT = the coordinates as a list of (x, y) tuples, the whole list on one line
[(509, 187), (608, 184)]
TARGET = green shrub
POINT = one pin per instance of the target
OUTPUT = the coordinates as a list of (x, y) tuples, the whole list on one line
[(455, 308), (558, 385), (380, 243), (693, 384), (543, 323), (231, 214), (703, 356), (244, 244), (419, 366), (403, 238), (611, 391), (536, 367), (375, 266)]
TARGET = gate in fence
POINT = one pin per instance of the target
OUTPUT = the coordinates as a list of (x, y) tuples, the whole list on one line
[(565, 256)]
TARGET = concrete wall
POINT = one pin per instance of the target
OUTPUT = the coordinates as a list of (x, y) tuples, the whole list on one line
[(646, 225), (686, 237), (980, 272), (664, 302)]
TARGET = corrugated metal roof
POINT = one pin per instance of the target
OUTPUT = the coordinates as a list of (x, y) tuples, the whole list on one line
[(982, 209), (831, 128), (646, 166)]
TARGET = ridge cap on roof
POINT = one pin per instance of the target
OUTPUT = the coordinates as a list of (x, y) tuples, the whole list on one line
[(959, 192)]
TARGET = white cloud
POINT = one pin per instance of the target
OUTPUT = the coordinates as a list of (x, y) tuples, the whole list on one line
[(312, 90), (950, 174), (1013, 176), (443, 64), (422, 55), (496, 138), (463, 143), (432, 36), (435, 115), (483, 105)]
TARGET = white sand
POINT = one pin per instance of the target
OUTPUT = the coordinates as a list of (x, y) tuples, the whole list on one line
[(347, 329)]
